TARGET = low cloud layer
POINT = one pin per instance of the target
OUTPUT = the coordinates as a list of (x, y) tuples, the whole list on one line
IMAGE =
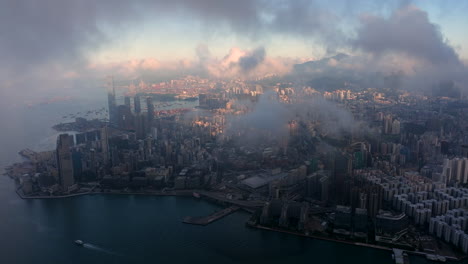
[(271, 117), (237, 63)]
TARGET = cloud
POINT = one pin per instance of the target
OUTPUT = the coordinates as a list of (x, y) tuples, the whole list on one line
[(203, 53), (47, 39), (408, 31), (237, 63), (53, 30), (405, 43), (63, 35), (252, 60), (248, 64), (271, 117)]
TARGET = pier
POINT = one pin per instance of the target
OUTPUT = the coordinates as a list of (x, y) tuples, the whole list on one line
[(205, 220)]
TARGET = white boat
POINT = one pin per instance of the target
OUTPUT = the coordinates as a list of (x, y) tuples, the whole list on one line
[(79, 242)]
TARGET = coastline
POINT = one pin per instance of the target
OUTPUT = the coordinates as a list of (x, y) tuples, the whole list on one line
[(320, 237), (212, 198), (174, 193), (360, 244)]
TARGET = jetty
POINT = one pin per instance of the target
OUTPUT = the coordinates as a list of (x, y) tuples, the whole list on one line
[(205, 220)]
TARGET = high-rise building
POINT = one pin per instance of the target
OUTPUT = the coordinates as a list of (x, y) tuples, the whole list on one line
[(111, 101), (363, 200), (455, 170), (396, 127), (150, 107), (127, 102), (137, 104), (141, 126), (389, 226), (464, 151), (387, 124), (124, 117), (64, 161), (105, 144)]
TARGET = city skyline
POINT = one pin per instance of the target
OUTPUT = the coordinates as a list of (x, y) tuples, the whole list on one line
[(250, 131)]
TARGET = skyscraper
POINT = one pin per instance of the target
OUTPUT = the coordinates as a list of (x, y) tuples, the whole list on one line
[(127, 101), (137, 104), (111, 101), (124, 117), (64, 161), (105, 144), (150, 106), (141, 122)]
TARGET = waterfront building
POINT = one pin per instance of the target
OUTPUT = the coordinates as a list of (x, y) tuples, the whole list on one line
[(64, 161), (360, 220), (343, 217), (390, 227)]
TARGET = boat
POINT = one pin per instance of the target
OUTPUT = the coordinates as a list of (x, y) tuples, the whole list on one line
[(79, 242), (196, 195)]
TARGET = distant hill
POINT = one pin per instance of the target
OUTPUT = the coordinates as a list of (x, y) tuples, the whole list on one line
[(312, 66)]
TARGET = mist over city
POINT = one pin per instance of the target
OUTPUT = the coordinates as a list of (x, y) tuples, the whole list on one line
[(248, 131)]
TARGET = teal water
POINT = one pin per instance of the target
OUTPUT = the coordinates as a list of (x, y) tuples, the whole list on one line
[(143, 229)]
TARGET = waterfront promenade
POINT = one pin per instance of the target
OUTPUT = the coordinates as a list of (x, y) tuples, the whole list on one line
[(401, 253)]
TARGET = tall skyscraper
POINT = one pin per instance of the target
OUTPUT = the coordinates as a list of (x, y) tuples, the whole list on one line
[(127, 102), (124, 117), (150, 106), (111, 101), (137, 104), (141, 122), (64, 161), (105, 144)]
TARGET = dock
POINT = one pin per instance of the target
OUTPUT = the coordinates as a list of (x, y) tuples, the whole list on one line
[(205, 220)]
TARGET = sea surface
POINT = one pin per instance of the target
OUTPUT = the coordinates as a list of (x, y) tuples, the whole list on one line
[(135, 229), (143, 229)]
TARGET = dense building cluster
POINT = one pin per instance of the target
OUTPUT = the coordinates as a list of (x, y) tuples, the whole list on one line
[(353, 164)]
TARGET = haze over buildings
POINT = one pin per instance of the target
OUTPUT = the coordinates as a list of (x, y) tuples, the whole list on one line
[(343, 121)]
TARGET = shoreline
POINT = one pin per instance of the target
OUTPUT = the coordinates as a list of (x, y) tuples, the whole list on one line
[(206, 195), (24, 197), (360, 244), (260, 227), (272, 229), (210, 198)]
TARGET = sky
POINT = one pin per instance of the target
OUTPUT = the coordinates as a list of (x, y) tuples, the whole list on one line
[(65, 47), (174, 36)]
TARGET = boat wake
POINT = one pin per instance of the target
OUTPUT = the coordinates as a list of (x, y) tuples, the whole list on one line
[(97, 248)]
